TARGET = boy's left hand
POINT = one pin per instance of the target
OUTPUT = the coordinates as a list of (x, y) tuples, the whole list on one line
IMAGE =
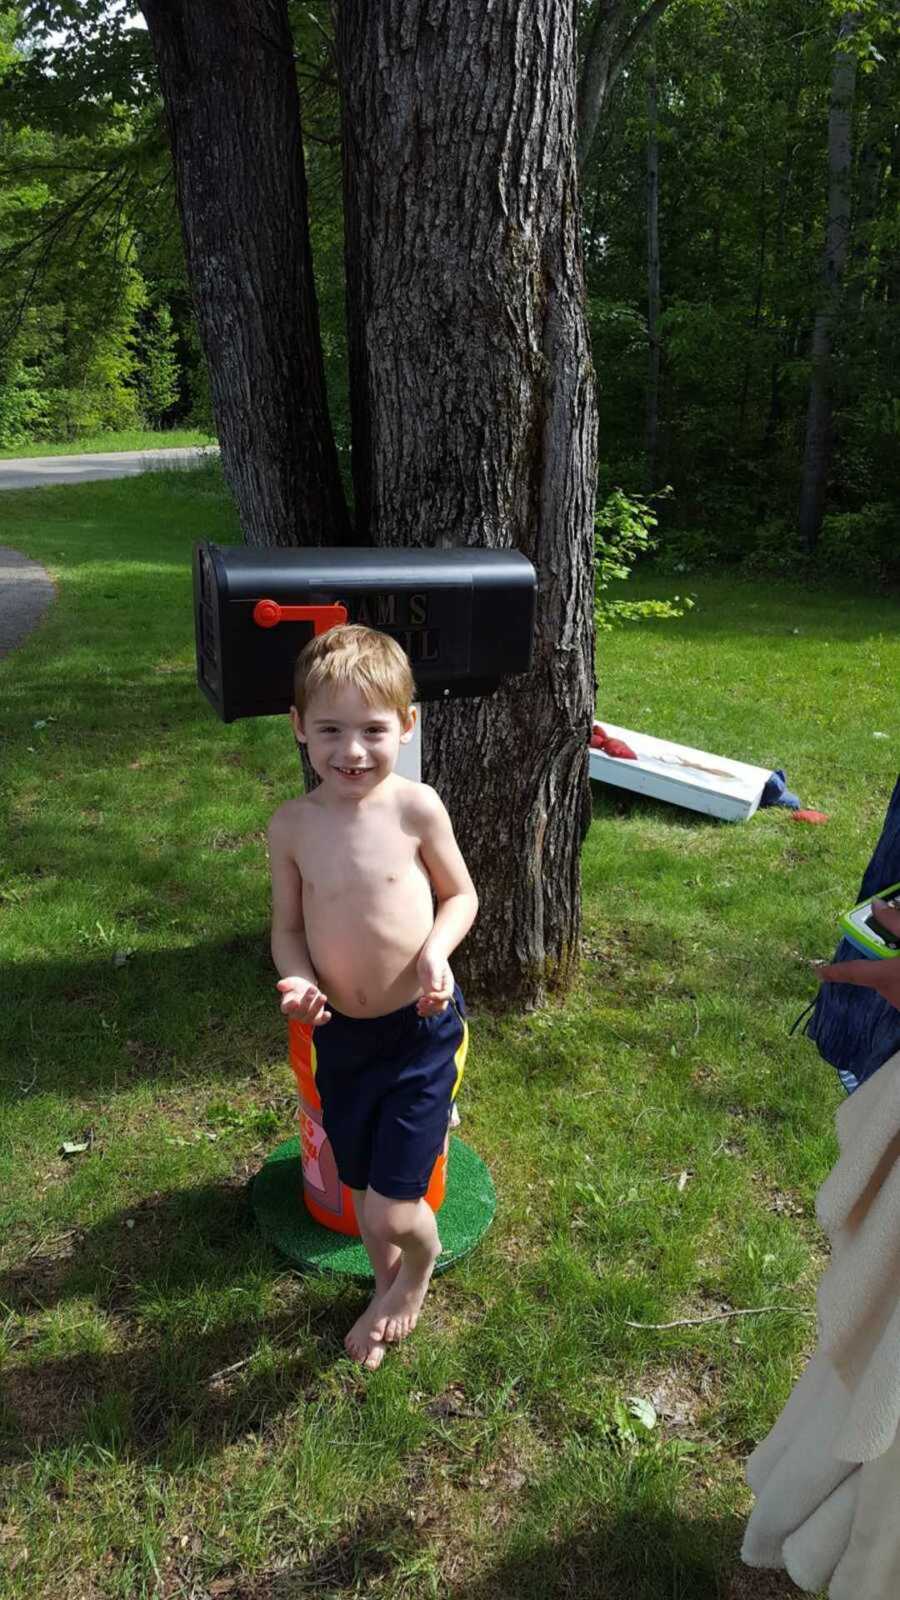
[(437, 983)]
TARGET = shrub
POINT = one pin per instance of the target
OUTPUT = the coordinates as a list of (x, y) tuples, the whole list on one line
[(23, 405), (623, 532), (158, 375), (862, 543), (853, 544), (73, 413)]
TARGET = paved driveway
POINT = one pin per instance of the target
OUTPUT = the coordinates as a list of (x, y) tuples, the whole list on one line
[(37, 472), (25, 588), (25, 594)]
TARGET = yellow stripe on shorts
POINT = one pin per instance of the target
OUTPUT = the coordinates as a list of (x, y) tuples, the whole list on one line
[(460, 1055)]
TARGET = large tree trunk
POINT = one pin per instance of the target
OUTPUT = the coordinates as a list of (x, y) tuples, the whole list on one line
[(474, 417), (817, 451), (229, 84)]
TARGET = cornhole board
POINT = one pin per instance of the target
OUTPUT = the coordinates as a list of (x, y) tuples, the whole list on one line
[(675, 773)]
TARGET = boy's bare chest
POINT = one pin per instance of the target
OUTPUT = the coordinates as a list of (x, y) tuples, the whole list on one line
[(367, 855)]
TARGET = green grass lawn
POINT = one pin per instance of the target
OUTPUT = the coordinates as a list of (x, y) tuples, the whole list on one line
[(102, 443), (178, 1418)]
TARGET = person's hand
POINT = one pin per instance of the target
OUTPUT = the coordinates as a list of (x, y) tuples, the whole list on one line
[(433, 971), (304, 1001), (881, 973)]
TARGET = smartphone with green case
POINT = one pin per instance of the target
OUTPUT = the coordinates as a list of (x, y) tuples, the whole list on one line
[(862, 927)]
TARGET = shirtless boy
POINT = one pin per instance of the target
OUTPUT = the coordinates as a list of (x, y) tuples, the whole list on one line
[(363, 951)]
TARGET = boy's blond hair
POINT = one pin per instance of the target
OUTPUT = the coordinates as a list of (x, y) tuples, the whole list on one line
[(360, 657)]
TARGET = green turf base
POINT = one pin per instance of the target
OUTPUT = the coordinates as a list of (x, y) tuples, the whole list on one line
[(464, 1218)]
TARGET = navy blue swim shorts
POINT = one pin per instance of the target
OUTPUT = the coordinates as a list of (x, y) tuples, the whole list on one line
[(387, 1085)]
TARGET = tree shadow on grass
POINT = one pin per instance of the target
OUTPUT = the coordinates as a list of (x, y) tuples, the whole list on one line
[(609, 802), (635, 1555), (183, 1380), (93, 1027)]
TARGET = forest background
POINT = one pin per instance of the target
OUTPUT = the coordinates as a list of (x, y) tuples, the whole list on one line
[(740, 176)]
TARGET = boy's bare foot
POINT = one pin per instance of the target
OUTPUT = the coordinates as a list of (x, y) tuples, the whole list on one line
[(361, 1342), (398, 1311), (369, 1356)]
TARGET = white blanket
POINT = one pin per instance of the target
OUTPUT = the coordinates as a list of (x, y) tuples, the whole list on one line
[(827, 1478)]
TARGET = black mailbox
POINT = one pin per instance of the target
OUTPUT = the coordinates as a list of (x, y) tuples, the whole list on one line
[(464, 617)]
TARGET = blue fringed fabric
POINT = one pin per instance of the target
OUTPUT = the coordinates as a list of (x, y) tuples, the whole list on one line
[(777, 793), (855, 1030)]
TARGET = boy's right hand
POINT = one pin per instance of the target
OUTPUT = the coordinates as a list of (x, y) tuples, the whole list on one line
[(303, 1000), (881, 973)]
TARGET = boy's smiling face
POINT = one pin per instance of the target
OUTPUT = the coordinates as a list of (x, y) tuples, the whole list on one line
[(352, 746)]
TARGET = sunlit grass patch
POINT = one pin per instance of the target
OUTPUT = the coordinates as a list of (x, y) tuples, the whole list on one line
[(104, 443)]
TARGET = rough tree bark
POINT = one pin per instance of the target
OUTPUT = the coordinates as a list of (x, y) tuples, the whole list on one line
[(226, 69), (474, 418), (817, 450)]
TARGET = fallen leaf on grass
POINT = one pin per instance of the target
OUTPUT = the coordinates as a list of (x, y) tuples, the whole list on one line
[(643, 1410), (77, 1147)]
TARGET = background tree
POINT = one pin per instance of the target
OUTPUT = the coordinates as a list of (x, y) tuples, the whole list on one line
[(653, 278), (817, 452), (742, 98), (612, 31), (86, 223), (159, 370), (229, 84)]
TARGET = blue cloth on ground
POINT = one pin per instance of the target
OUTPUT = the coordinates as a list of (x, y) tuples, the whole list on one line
[(777, 793), (857, 1030)]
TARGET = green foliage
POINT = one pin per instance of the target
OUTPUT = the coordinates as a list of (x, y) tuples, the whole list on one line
[(853, 544), (624, 532), (23, 408), (743, 108), (86, 224), (860, 545), (158, 376)]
